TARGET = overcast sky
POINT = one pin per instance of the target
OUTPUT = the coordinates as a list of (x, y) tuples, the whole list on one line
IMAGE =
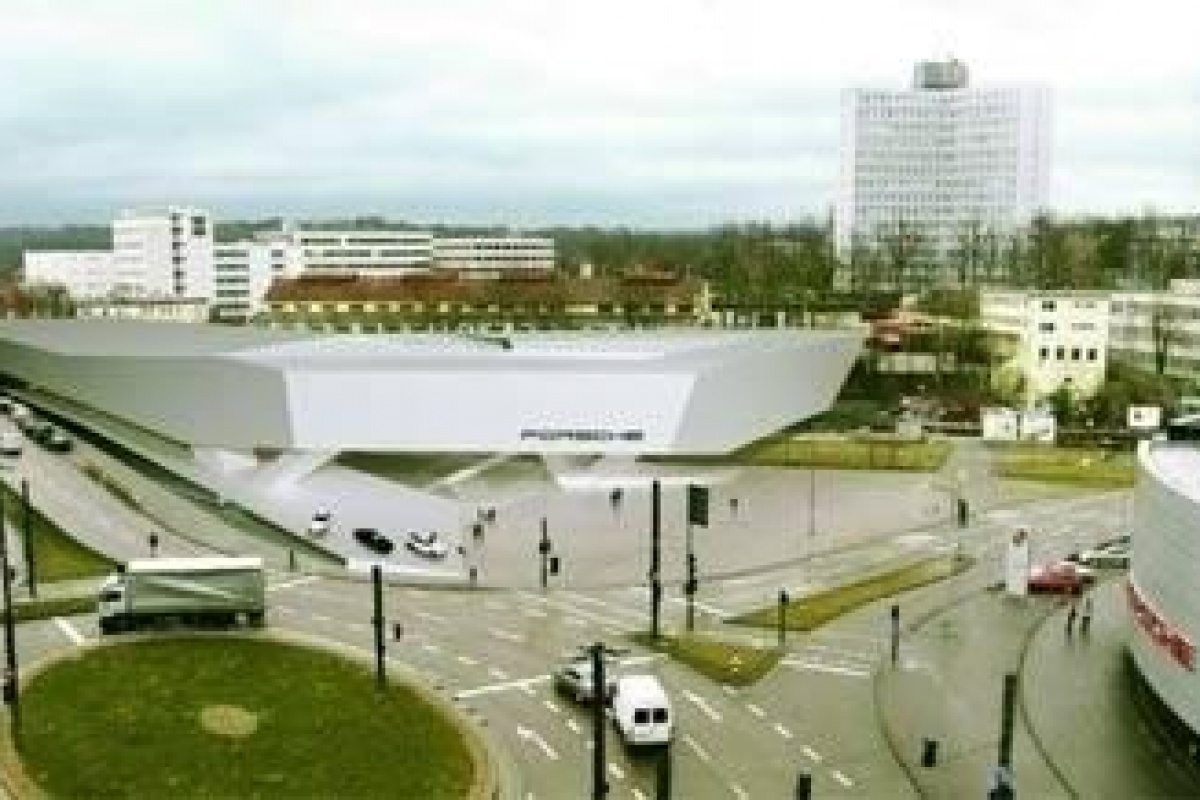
[(525, 112)]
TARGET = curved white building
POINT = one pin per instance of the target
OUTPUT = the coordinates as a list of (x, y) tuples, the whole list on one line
[(1163, 591)]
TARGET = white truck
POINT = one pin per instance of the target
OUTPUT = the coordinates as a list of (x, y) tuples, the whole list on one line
[(203, 591), (641, 711)]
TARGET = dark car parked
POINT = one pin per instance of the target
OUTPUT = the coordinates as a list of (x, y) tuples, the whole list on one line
[(372, 539)]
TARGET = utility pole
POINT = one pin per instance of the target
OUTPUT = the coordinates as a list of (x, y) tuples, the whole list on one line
[(655, 557), (544, 551), (377, 621), (783, 605), (11, 680), (27, 540), (599, 694), (812, 501), (1003, 786), (697, 514)]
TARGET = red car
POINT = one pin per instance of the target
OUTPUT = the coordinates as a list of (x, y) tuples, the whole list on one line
[(1062, 577)]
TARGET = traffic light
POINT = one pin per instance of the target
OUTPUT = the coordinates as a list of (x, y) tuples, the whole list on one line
[(697, 505), (554, 564)]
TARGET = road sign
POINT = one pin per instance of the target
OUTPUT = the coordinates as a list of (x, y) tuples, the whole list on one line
[(697, 505)]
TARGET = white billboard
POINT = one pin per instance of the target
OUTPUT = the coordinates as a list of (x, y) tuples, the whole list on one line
[(1144, 418), (1016, 564)]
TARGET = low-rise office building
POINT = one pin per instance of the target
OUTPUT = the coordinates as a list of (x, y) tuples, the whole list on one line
[(445, 301), (84, 274), (1050, 338), (146, 309)]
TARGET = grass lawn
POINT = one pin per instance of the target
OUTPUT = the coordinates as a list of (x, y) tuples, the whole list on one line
[(227, 717), (56, 555), (725, 662), (1092, 467), (834, 452), (811, 611)]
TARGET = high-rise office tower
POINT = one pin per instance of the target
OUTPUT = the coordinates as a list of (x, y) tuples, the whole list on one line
[(935, 175)]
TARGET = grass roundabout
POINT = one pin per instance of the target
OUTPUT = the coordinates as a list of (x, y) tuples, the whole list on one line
[(227, 717)]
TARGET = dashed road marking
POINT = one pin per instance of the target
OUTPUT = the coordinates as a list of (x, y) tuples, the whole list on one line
[(755, 710), (321, 618), (616, 771), (842, 779), (552, 706), (430, 647), (470, 662), (782, 731), (498, 673), (507, 636), (574, 726), (292, 583), (700, 752), (700, 703), (637, 793), (533, 736), (69, 631), (285, 609), (832, 669), (812, 754), (738, 792), (429, 617)]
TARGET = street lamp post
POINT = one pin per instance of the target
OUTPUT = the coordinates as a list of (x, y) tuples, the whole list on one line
[(27, 540), (11, 682), (544, 552)]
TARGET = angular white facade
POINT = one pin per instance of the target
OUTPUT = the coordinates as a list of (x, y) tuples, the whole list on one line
[(238, 389), (941, 161)]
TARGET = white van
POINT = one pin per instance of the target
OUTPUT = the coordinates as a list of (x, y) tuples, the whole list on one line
[(10, 443), (641, 711)]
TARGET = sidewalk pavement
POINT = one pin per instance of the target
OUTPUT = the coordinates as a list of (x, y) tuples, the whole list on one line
[(1077, 731)]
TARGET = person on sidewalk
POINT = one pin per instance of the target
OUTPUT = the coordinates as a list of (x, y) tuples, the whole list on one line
[(1072, 612), (1085, 618)]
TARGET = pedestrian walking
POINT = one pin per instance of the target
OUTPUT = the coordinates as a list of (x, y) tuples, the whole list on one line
[(1085, 618), (1072, 613)]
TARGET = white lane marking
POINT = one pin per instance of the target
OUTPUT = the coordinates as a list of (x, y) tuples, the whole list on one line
[(782, 731), (637, 793), (498, 673), (729, 690), (637, 616), (550, 704), (573, 609), (616, 771), (69, 631), (832, 669), (286, 610), (358, 626), (494, 605), (755, 710), (574, 726), (526, 684), (507, 636), (470, 662), (705, 607), (501, 687), (425, 615), (578, 622), (812, 754), (842, 779), (700, 703), (534, 612), (531, 735), (294, 582), (738, 792), (321, 618), (430, 647), (700, 751)]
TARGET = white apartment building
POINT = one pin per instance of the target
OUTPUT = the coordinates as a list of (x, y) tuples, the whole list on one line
[(1149, 326), (152, 309), (164, 252), (1054, 338), (84, 274), (374, 253), (935, 166), (243, 273), (489, 256)]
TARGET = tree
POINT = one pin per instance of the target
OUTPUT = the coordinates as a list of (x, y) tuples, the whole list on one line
[(1164, 333)]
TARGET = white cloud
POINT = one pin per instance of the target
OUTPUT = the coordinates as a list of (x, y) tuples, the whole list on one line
[(671, 112)]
